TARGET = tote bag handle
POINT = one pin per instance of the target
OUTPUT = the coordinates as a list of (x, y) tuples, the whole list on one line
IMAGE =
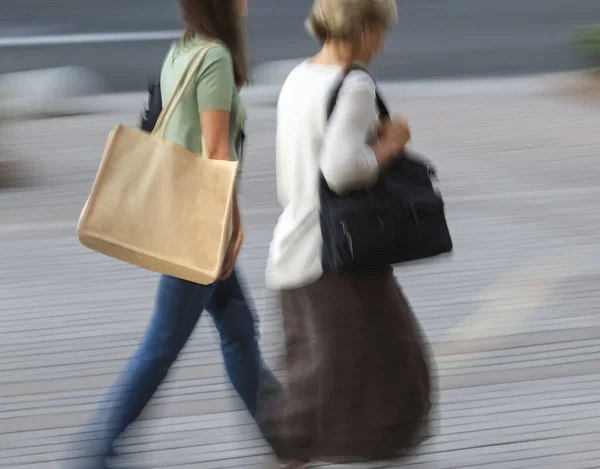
[(188, 75), (382, 108)]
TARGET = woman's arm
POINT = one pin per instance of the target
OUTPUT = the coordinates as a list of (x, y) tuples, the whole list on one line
[(214, 91), (215, 134), (348, 160), (215, 86), (215, 131)]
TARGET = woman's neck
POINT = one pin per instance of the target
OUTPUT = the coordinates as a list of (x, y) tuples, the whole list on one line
[(339, 54)]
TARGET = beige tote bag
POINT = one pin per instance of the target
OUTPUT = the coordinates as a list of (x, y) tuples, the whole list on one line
[(156, 205)]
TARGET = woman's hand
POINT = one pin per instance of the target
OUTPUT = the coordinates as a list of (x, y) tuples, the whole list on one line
[(235, 244), (394, 134)]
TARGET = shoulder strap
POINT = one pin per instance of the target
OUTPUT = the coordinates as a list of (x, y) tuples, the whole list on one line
[(188, 75), (381, 106)]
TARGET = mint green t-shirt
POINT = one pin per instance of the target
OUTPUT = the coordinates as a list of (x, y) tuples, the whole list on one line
[(213, 90)]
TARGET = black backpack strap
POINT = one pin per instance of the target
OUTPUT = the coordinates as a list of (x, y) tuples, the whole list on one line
[(381, 106)]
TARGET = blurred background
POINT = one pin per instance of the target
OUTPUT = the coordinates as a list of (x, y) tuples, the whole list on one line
[(504, 97), (124, 41)]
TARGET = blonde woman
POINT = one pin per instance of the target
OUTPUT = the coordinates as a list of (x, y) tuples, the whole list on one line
[(358, 378)]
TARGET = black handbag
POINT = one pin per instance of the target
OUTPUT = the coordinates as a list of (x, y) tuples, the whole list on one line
[(399, 219)]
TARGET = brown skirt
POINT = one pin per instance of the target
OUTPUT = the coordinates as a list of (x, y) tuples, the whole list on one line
[(358, 383)]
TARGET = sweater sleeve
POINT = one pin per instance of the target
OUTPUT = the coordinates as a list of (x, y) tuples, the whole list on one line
[(347, 161)]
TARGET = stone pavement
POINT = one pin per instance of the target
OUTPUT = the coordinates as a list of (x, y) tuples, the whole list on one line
[(513, 315)]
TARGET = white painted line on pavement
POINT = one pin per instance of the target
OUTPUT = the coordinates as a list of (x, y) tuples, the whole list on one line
[(90, 38), (531, 284)]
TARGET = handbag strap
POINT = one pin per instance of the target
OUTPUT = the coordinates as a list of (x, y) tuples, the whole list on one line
[(188, 75), (384, 113)]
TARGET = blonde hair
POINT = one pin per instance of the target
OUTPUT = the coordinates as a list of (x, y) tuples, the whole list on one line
[(344, 20)]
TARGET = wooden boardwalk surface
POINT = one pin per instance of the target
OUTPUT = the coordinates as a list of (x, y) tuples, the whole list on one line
[(513, 316)]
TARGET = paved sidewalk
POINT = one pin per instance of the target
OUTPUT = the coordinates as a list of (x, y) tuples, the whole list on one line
[(513, 315)]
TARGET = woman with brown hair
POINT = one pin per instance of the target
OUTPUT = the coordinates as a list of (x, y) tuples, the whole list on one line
[(358, 384), (208, 120)]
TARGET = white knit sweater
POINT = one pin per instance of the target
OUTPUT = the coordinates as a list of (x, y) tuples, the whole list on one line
[(307, 146)]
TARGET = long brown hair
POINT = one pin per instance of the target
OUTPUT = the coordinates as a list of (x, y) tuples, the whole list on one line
[(217, 19)]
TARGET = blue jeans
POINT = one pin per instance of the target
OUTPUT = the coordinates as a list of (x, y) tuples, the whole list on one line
[(179, 304)]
